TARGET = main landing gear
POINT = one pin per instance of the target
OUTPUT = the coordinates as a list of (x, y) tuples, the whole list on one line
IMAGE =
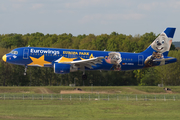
[(84, 76), (25, 70)]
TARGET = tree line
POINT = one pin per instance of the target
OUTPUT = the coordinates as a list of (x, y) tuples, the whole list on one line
[(12, 75)]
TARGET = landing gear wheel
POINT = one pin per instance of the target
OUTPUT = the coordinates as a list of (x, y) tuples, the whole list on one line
[(84, 77), (25, 73), (25, 70)]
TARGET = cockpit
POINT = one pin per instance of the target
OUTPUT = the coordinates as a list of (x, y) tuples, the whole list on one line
[(14, 52)]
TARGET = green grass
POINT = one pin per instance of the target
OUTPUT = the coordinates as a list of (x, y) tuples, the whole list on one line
[(150, 89), (88, 110), (107, 89), (155, 89), (44, 103)]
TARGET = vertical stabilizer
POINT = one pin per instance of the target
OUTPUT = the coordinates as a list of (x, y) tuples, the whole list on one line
[(162, 43)]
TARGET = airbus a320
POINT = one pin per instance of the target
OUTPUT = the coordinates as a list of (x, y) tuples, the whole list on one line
[(71, 60)]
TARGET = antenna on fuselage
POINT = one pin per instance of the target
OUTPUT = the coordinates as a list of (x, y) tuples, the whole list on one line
[(104, 49), (28, 45)]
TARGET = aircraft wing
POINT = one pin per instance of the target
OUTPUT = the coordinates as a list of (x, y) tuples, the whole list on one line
[(163, 59), (86, 62)]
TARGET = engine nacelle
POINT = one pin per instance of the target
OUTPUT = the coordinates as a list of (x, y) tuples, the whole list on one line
[(61, 68)]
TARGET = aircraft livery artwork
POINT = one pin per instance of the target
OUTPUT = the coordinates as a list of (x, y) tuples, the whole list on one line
[(115, 59), (71, 60), (161, 46)]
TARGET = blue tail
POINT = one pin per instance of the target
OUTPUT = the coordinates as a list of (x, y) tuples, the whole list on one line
[(162, 43)]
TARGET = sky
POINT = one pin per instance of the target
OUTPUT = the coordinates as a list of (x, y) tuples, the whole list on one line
[(130, 17)]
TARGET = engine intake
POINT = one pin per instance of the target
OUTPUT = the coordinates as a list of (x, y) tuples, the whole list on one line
[(60, 68)]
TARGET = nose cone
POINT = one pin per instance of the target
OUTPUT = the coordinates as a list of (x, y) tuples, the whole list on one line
[(4, 58)]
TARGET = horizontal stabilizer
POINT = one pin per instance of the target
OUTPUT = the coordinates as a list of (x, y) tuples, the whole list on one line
[(163, 59)]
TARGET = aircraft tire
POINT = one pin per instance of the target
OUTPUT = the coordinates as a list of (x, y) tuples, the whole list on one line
[(84, 77)]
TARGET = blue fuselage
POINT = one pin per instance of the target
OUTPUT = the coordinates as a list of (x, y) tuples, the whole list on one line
[(46, 57)]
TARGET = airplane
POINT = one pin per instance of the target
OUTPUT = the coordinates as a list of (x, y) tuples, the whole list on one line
[(70, 60)]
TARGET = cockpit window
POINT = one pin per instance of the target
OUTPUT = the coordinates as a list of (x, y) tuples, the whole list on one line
[(14, 52)]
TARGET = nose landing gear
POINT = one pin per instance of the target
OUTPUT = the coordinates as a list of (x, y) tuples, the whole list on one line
[(25, 71)]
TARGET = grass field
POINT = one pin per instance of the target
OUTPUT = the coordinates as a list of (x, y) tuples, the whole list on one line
[(124, 103), (107, 89), (88, 110)]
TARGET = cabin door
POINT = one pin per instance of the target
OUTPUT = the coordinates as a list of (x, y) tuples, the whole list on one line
[(25, 53), (140, 60)]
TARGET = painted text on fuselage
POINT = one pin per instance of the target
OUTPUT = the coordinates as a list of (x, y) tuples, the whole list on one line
[(44, 51)]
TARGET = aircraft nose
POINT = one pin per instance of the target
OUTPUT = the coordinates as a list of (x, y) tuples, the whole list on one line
[(4, 58)]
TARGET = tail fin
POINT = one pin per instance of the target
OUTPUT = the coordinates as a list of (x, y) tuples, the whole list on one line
[(162, 43)]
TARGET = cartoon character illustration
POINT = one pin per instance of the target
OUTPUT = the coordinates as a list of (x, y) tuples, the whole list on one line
[(115, 59), (149, 60), (161, 43)]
